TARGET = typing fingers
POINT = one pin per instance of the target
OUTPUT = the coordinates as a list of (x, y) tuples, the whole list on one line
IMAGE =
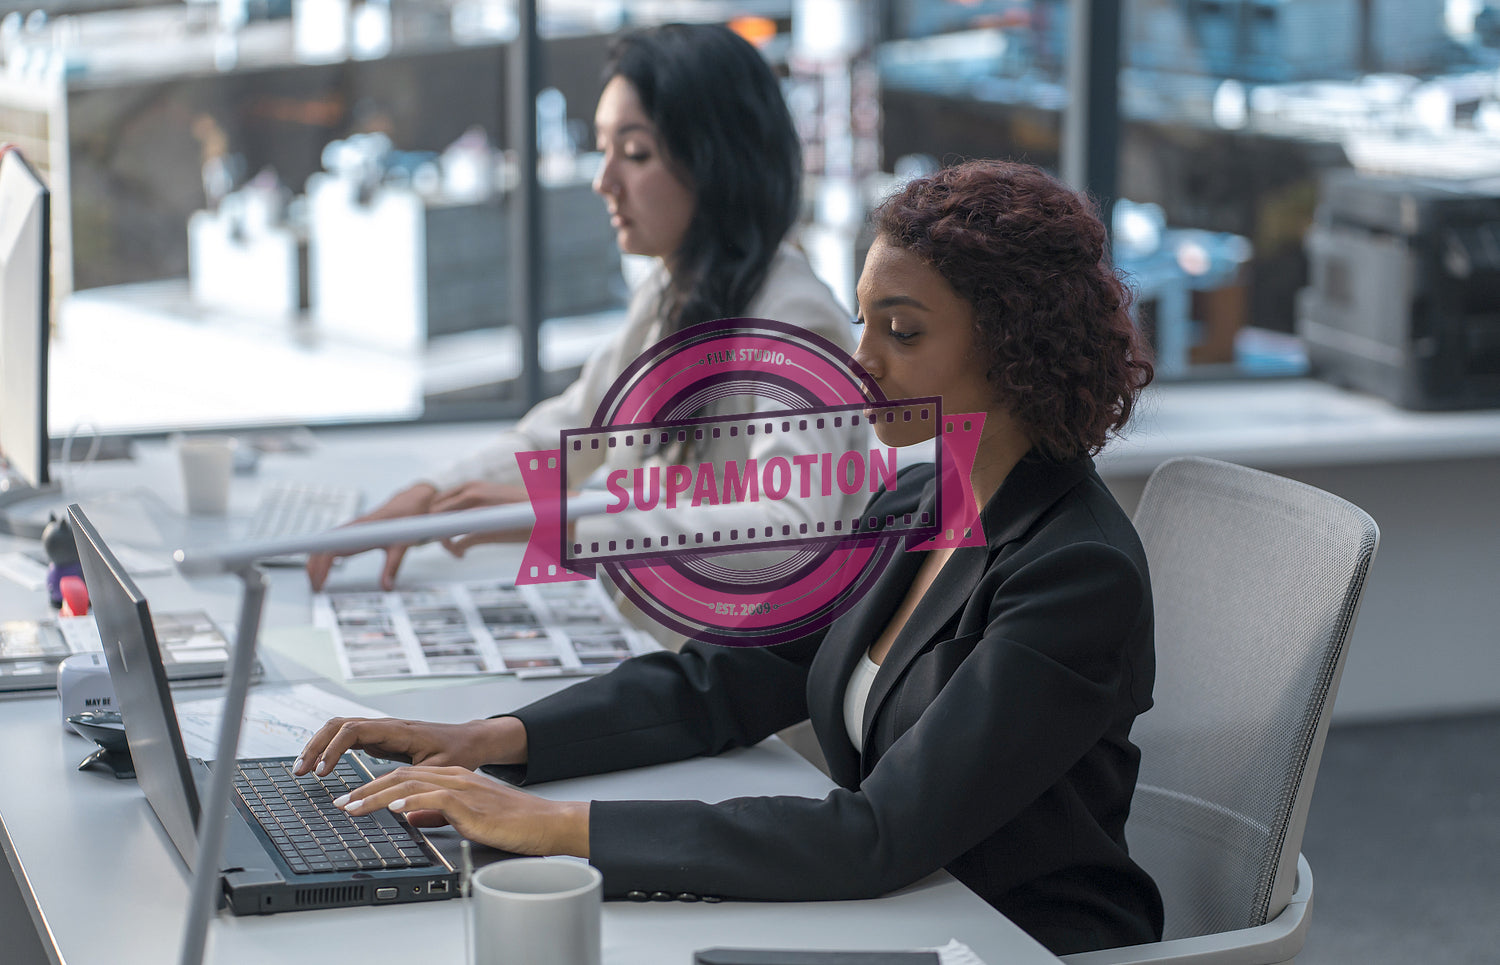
[(400, 784), (349, 734), (315, 746), (477, 806)]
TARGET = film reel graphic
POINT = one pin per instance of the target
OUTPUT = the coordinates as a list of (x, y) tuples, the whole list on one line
[(744, 584)]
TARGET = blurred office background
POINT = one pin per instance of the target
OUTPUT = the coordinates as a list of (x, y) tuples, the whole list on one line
[(297, 212)]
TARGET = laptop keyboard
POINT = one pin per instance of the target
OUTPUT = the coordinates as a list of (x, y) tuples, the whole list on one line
[(312, 835)]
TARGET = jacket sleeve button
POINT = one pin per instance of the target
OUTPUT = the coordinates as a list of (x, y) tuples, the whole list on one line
[(688, 896), (637, 896), (661, 896), (712, 899)]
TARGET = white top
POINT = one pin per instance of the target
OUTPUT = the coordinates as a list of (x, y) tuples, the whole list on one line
[(791, 293), (855, 696)]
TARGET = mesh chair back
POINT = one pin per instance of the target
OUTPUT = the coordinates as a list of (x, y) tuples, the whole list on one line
[(1256, 581)]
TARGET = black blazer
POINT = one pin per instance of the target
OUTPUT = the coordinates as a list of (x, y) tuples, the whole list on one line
[(996, 732)]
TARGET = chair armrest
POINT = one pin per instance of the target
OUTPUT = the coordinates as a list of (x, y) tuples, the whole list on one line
[(1276, 942)]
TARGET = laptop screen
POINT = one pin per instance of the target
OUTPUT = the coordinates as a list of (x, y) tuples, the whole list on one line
[(140, 683)]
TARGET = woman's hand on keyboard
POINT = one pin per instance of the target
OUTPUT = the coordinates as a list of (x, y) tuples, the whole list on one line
[(496, 740), (415, 500), (479, 807)]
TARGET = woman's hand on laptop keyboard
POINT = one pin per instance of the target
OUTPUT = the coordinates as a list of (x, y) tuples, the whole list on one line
[(478, 807), (496, 740)]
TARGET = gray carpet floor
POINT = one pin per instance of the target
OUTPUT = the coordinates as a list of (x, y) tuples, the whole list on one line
[(1404, 843)]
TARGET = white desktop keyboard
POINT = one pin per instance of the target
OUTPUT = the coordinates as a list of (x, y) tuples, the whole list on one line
[(294, 509)]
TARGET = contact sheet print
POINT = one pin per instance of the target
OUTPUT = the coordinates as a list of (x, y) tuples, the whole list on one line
[(455, 629)]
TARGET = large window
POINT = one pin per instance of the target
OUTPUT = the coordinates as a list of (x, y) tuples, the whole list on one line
[(304, 220), (267, 219)]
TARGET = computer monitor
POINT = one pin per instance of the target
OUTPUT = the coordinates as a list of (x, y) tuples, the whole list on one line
[(25, 250)]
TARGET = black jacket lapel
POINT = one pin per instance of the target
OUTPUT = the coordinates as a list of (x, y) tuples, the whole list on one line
[(1032, 487), (831, 668)]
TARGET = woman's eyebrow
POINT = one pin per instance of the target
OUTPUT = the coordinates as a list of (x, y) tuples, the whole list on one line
[(894, 301), (633, 128)]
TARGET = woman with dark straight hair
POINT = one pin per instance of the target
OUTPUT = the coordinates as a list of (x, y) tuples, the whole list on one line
[(702, 170), (732, 141)]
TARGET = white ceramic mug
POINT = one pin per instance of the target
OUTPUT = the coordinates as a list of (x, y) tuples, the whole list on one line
[(207, 464), (537, 911)]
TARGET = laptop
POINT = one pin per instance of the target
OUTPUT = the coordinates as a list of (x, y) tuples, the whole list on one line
[(286, 847)]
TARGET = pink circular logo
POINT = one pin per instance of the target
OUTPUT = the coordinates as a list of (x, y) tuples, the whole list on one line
[(709, 552)]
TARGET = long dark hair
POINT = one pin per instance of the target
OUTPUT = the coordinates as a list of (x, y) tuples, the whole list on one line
[(720, 115)]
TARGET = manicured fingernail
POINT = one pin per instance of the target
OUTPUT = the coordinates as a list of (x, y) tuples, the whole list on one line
[(323, 768), (397, 805), (297, 764), (341, 800)]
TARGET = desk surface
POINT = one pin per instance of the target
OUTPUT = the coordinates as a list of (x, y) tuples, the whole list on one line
[(107, 885), (1285, 423)]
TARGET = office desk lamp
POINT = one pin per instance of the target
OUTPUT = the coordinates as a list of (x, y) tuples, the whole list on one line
[(240, 560)]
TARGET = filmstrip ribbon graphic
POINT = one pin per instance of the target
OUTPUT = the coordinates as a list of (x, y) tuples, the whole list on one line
[(739, 457)]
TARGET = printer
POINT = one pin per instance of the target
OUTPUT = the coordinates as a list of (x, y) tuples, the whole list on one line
[(1403, 298)]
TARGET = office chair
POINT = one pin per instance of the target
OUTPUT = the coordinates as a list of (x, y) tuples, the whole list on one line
[(1256, 581)]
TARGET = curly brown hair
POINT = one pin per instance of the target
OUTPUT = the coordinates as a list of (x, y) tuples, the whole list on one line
[(1029, 254)]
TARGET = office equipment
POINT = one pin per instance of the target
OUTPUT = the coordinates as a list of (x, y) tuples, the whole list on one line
[(83, 685), (299, 509), (106, 728), (1257, 582), (192, 648), (1403, 297), (288, 848), (25, 250)]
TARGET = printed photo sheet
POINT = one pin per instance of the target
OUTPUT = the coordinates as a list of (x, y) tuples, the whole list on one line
[(453, 629)]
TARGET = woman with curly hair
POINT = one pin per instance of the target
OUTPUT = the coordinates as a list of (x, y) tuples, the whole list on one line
[(975, 707)]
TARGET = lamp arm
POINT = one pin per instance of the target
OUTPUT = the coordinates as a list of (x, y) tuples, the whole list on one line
[(213, 815), (385, 532)]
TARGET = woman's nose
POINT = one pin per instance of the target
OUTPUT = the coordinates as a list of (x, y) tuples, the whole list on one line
[(604, 181), (865, 358)]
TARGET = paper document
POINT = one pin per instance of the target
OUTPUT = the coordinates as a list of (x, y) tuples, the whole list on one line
[(278, 723), (459, 629)]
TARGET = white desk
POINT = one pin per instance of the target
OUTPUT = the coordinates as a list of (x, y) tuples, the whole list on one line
[(1290, 424), (102, 883)]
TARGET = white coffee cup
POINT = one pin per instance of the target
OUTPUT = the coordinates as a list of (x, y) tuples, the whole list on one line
[(207, 463), (537, 911)]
